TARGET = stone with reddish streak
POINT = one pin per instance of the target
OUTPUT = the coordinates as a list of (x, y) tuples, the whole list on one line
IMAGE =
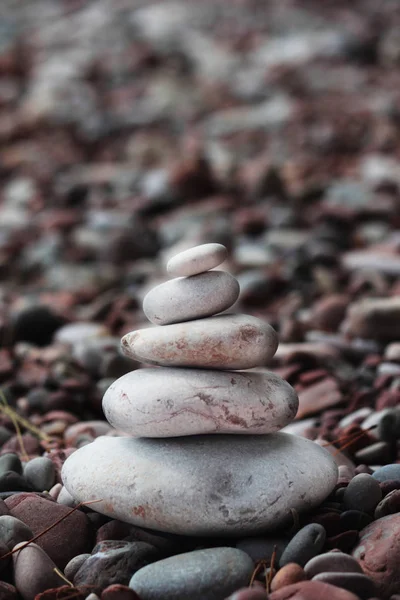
[(378, 553), (219, 342), (72, 536), (175, 402)]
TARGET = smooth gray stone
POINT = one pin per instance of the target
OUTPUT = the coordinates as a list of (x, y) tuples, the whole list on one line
[(186, 298), (10, 462), (210, 574), (307, 542), (202, 485), (387, 472), (196, 260), (219, 342), (175, 402), (362, 493), (40, 472), (358, 583), (337, 562), (13, 531)]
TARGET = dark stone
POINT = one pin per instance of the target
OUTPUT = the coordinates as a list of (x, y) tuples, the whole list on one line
[(389, 505), (354, 519), (36, 324), (12, 481), (10, 462), (363, 493), (114, 562), (307, 542), (358, 583)]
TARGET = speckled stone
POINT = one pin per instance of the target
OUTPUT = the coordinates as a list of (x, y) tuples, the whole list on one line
[(196, 260), (165, 403), (187, 298), (213, 573), (219, 342), (202, 485), (378, 553)]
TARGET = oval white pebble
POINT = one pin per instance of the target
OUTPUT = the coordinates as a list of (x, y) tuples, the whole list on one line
[(166, 403), (196, 260), (221, 342), (202, 485), (188, 298)]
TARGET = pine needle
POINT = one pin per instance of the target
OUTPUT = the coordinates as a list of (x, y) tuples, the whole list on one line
[(67, 581)]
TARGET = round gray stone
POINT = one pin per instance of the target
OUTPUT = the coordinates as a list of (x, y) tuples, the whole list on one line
[(40, 472), (213, 573), (219, 342), (13, 531), (196, 260), (174, 402), (202, 485), (188, 298), (362, 493)]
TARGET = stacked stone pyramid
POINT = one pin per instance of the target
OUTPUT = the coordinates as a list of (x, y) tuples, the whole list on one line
[(203, 456)]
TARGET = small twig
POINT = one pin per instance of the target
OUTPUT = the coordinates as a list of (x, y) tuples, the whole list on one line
[(48, 528), (269, 578), (6, 408), (58, 572)]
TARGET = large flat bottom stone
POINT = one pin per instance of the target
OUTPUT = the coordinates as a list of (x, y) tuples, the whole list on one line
[(202, 485)]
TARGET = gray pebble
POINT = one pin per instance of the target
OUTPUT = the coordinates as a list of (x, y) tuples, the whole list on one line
[(186, 298), (332, 562), (363, 493), (33, 571), (13, 531), (10, 462), (358, 583), (40, 472), (73, 566), (307, 542), (387, 472), (213, 573)]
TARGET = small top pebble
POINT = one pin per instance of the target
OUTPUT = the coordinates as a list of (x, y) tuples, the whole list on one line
[(196, 260)]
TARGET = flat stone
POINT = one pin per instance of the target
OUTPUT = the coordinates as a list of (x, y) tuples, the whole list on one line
[(213, 573), (186, 298), (196, 260), (202, 485), (220, 342), (312, 590), (387, 472), (166, 403), (358, 583), (337, 562)]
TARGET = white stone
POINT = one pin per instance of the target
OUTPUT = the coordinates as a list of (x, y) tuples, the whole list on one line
[(172, 402), (196, 260), (186, 298), (221, 342), (202, 485)]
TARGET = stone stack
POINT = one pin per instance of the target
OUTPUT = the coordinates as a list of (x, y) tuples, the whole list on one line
[(204, 454)]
